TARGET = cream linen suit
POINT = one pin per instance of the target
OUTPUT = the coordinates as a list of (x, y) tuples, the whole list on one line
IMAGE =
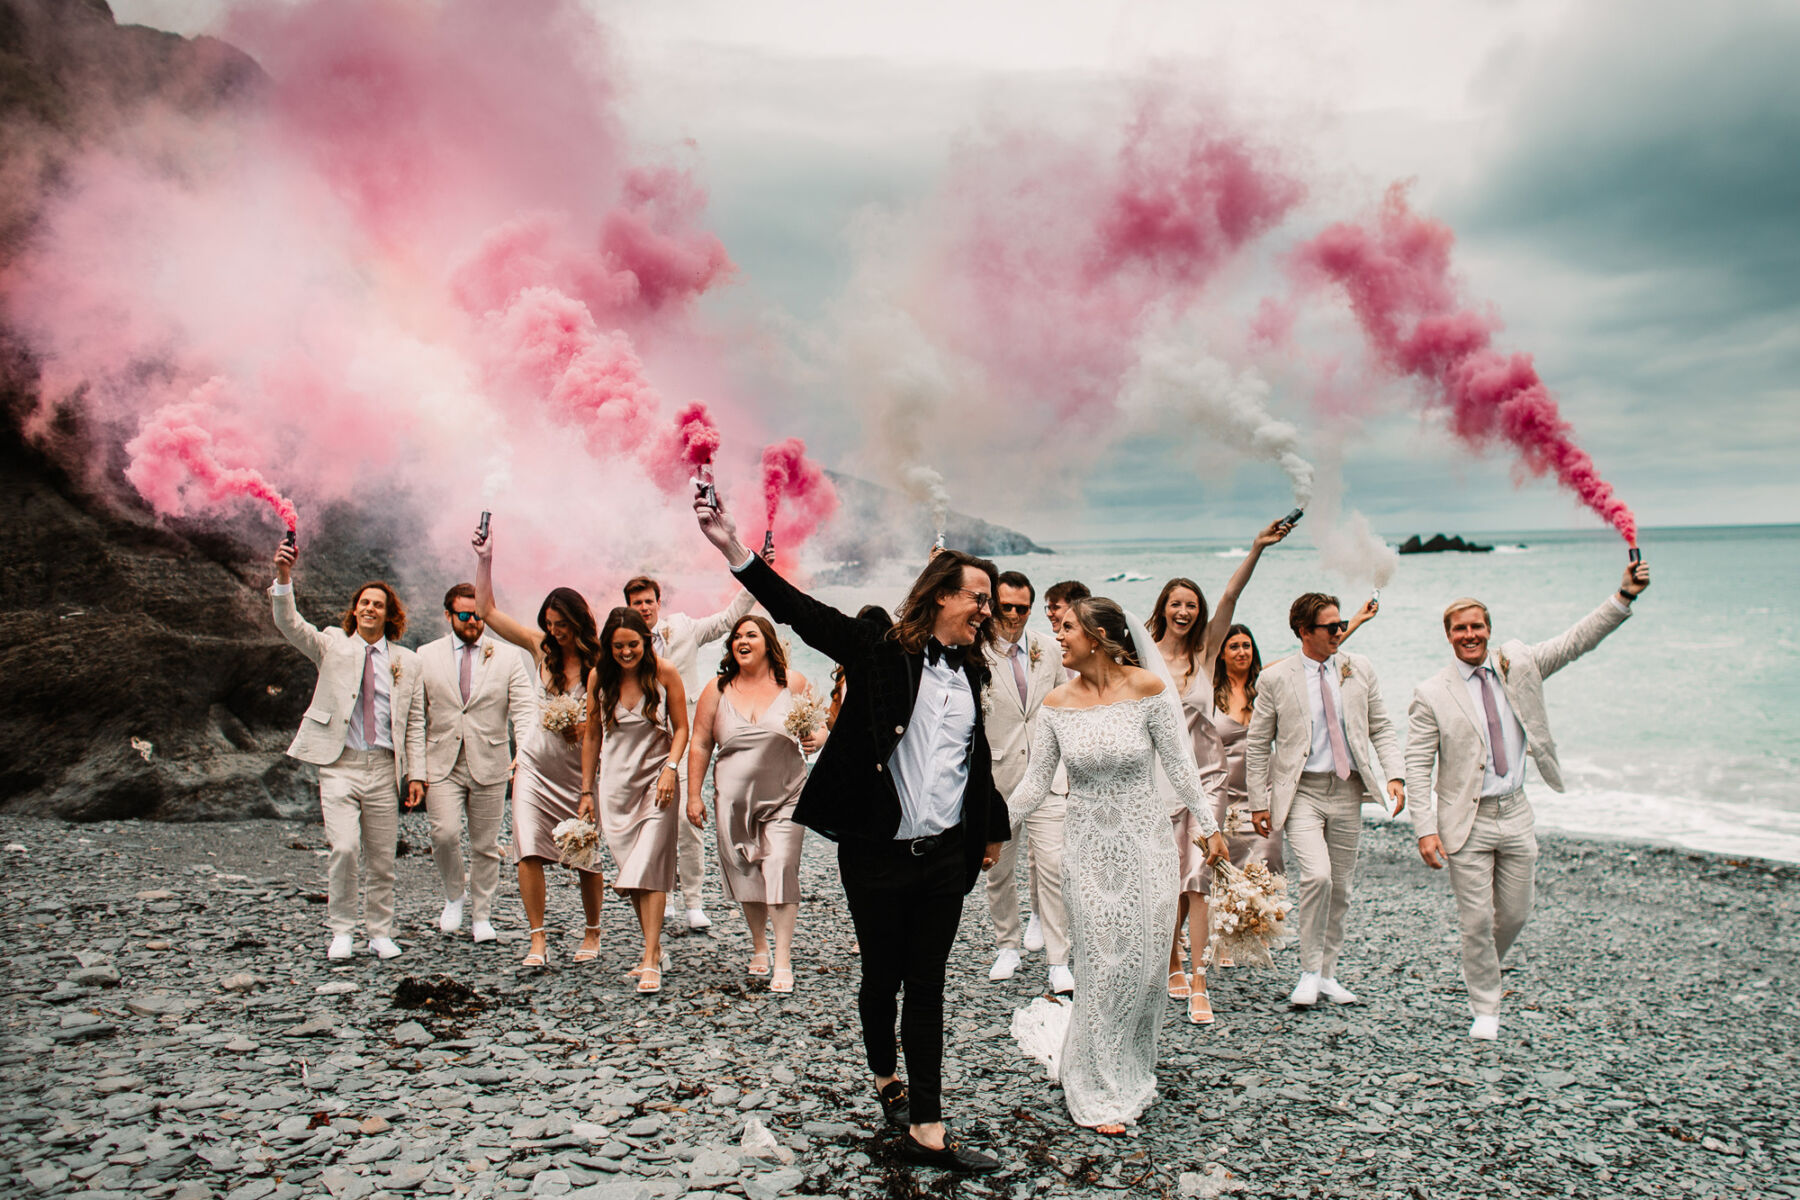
[(1010, 726), (1319, 815), (678, 638), (468, 757), (359, 790), (1490, 843)]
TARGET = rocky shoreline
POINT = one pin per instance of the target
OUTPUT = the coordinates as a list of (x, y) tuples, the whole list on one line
[(174, 1030)]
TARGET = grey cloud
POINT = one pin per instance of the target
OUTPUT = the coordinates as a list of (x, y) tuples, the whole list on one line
[(1661, 135)]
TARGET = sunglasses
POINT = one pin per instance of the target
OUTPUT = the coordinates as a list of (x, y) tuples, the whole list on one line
[(1015, 608), (1335, 626), (465, 616), (981, 599)]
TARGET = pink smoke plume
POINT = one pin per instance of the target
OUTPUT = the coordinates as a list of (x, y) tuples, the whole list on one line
[(1063, 248), (1019, 299), (790, 478), (175, 462), (1396, 272), (427, 253)]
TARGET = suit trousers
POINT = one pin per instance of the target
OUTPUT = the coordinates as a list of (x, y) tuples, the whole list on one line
[(1042, 834), (1493, 879), (1324, 825), (906, 909), (446, 802), (361, 810), (690, 843)]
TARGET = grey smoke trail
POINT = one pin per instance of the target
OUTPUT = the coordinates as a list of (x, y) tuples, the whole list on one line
[(1180, 387), (927, 487), (1346, 543)]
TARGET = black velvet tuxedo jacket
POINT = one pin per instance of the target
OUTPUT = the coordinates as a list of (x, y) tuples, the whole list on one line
[(851, 792)]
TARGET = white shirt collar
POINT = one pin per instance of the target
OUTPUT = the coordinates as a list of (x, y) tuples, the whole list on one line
[(1313, 668), (1468, 669)]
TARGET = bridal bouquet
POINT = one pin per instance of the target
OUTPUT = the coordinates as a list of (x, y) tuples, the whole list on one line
[(1249, 913), (577, 843), (804, 719), (564, 714)]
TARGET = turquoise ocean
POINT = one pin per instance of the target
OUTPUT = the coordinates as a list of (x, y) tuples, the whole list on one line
[(1683, 727)]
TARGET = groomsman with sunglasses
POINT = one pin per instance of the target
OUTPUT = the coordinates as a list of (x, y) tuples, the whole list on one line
[(474, 688), (1319, 745)]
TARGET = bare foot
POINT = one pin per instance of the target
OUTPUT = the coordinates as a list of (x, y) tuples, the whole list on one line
[(1110, 1130)]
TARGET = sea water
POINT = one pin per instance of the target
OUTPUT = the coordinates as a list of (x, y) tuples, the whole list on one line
[(1682, 727)]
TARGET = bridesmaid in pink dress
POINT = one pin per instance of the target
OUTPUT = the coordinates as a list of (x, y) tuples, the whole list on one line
[(637, 730), (757, 778)]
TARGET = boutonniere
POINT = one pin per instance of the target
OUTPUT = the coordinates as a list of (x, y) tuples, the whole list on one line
[(394, 670), (1036, 653), (1344, 673), (662, 631), (487, 652), (1505, 665)]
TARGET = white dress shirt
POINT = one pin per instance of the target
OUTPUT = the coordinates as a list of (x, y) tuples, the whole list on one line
[(1319, 760), (930, 766), (358, 738), (1512, 733)]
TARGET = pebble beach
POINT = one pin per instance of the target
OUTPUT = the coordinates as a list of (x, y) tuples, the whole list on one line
[(174, 1030)]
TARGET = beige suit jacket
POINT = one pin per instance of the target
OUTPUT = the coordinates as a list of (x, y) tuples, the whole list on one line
[(1443, 727), (683, 636), (1010, 724), (339, 657), (1280, 737), (499, 691)]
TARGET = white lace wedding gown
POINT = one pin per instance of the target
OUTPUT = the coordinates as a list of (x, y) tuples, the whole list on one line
[(1119, 882)]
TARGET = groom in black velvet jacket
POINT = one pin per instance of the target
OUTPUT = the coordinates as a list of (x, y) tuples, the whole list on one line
[(905, 788)]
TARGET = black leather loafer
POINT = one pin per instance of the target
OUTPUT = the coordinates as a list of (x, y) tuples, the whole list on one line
[(953, 1157), (894, 1105)]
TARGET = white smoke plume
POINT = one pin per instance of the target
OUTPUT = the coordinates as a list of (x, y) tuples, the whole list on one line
[(1180, 389), (1346, 543), (927, 487)]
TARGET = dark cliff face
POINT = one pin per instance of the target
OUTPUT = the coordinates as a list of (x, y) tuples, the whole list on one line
[(142, 674), (113, 628)]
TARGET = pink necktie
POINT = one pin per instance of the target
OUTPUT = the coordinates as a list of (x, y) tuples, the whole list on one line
[(1019, 671), (1496, 740), (368, 697), (462, 677), (1340, 753)]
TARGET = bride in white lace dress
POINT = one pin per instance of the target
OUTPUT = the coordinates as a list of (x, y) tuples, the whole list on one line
[(1120, 880)]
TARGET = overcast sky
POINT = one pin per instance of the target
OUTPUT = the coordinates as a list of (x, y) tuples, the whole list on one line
[(1623, 175)]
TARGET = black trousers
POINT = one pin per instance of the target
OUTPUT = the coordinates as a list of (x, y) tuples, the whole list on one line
[(906, 909)]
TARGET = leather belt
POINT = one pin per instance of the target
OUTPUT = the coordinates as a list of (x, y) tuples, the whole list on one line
[(920, 846)]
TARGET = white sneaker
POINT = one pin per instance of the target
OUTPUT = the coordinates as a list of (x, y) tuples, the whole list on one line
[(1336, 992), (383, 947), (1306, 992), (1062, 980), (1034, 935), (1486, 1027), (451, 920), (697, 919), (1005, 963), (483, 931), (342, 946)]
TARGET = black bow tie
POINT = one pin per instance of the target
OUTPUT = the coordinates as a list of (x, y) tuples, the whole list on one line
[(952, 655)]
